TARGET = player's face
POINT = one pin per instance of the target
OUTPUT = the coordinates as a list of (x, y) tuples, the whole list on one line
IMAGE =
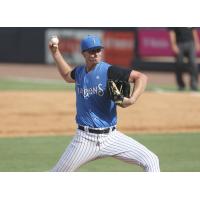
[(92, 57)]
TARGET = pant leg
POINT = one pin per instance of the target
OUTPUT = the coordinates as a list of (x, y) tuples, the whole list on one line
[(179, 67), (193, 67), (80, 151), (127, 149)]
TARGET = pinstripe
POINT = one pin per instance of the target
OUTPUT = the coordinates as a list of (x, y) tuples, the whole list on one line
[(65, 160), (80, 144), (118, 147), (127, 149), (83, 149), (137, 151), (88, 152), (67, 153), (80, 151), (70, 154), (114, 145), (94, 151), (83, 153), (145, 156), (150, 159)]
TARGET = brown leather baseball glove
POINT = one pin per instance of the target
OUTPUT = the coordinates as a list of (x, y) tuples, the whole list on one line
[(117, 90)]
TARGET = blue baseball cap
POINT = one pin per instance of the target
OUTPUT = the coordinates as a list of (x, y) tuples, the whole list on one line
[(91, 42)]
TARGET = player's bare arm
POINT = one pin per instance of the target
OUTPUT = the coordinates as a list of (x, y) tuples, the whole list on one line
[(140, 81), (63, 67)]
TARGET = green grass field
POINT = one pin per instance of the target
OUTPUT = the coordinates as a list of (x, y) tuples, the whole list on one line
[(177, 153), (33, 85)]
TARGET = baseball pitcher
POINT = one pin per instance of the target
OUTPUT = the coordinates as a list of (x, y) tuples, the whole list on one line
[(101, 87)]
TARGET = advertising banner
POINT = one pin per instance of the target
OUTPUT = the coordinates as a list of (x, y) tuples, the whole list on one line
[(154, 42), (118, 46), (198, 53)]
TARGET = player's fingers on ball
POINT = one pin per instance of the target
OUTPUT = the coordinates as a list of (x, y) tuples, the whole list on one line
[(50, 44), (53, 46)]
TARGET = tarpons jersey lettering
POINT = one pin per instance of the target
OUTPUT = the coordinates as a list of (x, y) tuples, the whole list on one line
[(87, 92)]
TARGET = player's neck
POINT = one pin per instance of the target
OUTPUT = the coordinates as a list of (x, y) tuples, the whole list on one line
[(90, 67)]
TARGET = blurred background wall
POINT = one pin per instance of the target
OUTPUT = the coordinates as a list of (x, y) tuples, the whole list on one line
[(23, 45), (144, 48)]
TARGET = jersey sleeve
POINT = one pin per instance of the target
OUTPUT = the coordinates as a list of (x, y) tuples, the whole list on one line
[(73, 73), (118, 73)]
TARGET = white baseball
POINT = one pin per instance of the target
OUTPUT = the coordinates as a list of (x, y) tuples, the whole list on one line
[(54, 40)]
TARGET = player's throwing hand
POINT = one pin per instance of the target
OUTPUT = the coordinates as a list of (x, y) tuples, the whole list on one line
[(53, 43)]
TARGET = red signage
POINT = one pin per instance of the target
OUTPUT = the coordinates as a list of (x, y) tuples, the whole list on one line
[(69, 45), (119, 48)]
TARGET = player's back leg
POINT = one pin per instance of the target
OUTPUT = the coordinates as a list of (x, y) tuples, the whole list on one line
[(129, 150)]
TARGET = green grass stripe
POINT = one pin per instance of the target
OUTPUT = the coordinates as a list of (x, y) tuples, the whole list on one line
[(49, 84), (33, 84), (161, 88), (177, 153)]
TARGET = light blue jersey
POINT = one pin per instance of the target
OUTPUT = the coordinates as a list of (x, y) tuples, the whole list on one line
[(94, 107)]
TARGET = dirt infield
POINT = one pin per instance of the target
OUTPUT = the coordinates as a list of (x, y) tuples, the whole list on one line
[(53, 113), (50, 113)]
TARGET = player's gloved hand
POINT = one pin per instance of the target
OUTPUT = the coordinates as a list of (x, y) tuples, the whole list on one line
[(115, 93), (118, 90)]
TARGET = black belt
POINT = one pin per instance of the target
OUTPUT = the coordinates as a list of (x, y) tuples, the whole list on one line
[(97, 131)]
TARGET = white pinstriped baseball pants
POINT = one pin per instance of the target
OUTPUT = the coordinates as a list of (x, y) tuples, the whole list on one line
[(86, 147)]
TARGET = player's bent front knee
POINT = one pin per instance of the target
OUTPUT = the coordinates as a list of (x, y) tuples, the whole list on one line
[(152, 163)]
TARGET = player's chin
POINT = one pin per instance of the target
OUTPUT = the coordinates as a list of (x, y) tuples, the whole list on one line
[(95, 61)]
